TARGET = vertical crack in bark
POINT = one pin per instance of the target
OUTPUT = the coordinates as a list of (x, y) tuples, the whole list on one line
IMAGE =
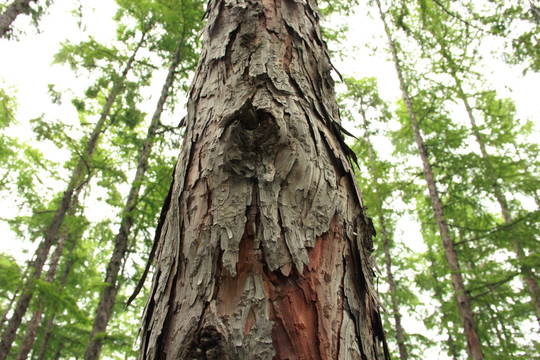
[(171, 289), (228, 60), (341, 305), (353, 312)]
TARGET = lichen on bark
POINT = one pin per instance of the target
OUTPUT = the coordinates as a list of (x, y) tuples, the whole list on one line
[(264, 243)]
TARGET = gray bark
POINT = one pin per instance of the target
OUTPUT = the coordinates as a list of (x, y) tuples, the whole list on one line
[(51, 234), (264, 251), (463, 302), (108, 296), (14, 9)]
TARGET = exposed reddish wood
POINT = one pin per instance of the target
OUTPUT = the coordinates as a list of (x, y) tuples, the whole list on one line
[(306, 313)]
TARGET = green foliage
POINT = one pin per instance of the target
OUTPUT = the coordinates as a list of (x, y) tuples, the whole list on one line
[(8, 106), (381, 189), (470, 182), (11, 275), (327, 7)]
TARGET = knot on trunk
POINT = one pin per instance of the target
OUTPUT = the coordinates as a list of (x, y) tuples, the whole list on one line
[(250, 134), (208, 344)]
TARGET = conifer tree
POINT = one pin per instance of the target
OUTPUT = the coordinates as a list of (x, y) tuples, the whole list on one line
[(366, 99), (459, 68), (189, 18), (463, 301), (78, 176)]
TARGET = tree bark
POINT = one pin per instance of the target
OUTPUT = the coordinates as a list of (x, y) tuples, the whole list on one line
[(15, 295), (264, 246), (471, 332), (108, 296), (51, 234), (14, 9)]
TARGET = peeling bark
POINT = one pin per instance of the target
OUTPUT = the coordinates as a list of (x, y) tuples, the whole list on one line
[(264, 249)]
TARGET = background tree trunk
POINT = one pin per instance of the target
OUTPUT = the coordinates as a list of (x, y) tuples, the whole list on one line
[(526, 272), (33, 324), (463, 302), (76, 180), (264, 246), (400, 332), (107, 300), (50, 321), (14, 9)]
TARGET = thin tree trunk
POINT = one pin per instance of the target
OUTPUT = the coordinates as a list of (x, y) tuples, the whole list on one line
[(439, 297), (14, 297), (50, 321), (400, 332), (46, 337), (51, 234), (59, 352), (14, 9), (528, 277), (471, 333), (108, 296), (33, 324), (264, 246)]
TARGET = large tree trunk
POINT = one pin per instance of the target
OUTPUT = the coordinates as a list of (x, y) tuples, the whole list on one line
[(14, 9), (76, 180), (463, 302), (264, 246), (108, 295)]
